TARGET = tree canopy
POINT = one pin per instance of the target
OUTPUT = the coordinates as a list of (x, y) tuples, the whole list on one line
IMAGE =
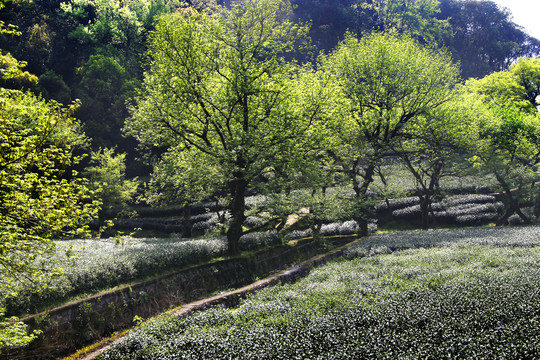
[(518, 85), (390, 81), (219, 87)]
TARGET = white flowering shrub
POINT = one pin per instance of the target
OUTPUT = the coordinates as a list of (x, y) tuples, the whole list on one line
[(348, 228), (252, 221), (400, 203), (298, 234), (330, 229), (468, 199), (494, 236), (465, 210), (207, 226)]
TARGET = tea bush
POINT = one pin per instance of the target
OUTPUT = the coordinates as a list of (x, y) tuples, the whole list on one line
[(258, 240), (493, 236), (100, 264), (458, 300), (465, 210)]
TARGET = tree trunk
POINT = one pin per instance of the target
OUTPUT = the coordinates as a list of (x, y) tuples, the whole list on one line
[(523, 217), (187, 221), (361, 215), (237, 208), (425, 203)]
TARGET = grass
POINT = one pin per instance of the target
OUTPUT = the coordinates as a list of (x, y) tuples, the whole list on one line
[(471, 293)]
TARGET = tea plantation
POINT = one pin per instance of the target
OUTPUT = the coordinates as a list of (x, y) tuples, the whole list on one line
[(469, 293), (97, 265)]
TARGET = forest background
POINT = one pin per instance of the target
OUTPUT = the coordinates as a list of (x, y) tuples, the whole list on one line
[(94, 50)]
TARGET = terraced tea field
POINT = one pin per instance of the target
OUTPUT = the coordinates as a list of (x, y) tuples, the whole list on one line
[(469, 293)]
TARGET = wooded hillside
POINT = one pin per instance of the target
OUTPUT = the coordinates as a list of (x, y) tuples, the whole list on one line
[(94, 50)]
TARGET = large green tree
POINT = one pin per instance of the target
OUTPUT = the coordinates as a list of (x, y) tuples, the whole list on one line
[(103, 86), (414, 17), (332, 18), (219, 88), (485, 38), (508, 147), (509, 137), (390, 82)]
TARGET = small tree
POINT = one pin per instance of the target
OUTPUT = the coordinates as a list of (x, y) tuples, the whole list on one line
[(40, 198), (519, 85), (219, 85), (390, 81), (107, 177), (433, 147), (509, 148), (509, 138)]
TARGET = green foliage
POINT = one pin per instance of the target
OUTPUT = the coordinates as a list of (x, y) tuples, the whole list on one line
[(433, 147), (14, 333), (40, 197), (508, 144), (390, 80), (509, 147), (312, 208), (105, 21), (219, 86), (415, 303), (12, 74), (7, 29), (416, 18), (390, 83), (53, 87), (104, 86), (183, 177), (106, 176), (485, 38), (519, 85)]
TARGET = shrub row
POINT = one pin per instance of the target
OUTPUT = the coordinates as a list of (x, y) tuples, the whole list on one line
[(494, 236), (459, 210), (259, 240), (101, 264), (338, 228), (472, 209)]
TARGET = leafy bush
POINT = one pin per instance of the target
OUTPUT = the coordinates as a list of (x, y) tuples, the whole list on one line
[(494, 236), (330, 229), (252, 221), (468, 199), (396, 204), (457, 301), (207, 226), (298, 234), (348, 228), (258, 240)]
